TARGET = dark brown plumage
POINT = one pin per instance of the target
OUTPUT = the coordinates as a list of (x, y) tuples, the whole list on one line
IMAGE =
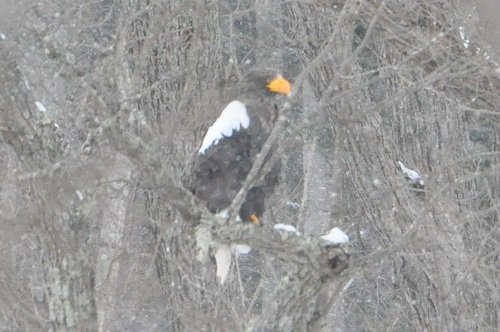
[(221, 169)]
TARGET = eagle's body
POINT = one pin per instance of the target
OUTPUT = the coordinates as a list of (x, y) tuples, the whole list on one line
[(230, 148)]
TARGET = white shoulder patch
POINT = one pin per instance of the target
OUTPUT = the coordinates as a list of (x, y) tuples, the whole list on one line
[(232, 118)]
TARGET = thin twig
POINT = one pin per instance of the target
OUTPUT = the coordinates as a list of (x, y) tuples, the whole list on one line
[(257, 165)]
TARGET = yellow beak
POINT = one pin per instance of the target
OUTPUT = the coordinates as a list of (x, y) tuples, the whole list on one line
[(280, 85)]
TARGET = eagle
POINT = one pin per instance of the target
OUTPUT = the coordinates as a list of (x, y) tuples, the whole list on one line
[(232, 143)]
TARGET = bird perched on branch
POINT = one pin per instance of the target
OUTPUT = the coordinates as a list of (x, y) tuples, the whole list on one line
[(232, 143)]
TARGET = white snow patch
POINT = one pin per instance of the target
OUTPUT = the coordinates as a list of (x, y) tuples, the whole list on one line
[(233, 118), (335, 236), (286, 228), (462, 35), (223, 258), (240, 249), (40, 107), (224, 214), (223, 262), (409, 173), (2, 36)]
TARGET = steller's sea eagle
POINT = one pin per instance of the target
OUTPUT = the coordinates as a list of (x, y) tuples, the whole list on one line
[(231, 144)]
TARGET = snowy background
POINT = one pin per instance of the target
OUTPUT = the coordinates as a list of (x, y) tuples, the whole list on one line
[(103, 106)]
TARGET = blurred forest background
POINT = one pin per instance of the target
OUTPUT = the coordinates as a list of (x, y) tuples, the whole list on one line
[(104, 103)]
